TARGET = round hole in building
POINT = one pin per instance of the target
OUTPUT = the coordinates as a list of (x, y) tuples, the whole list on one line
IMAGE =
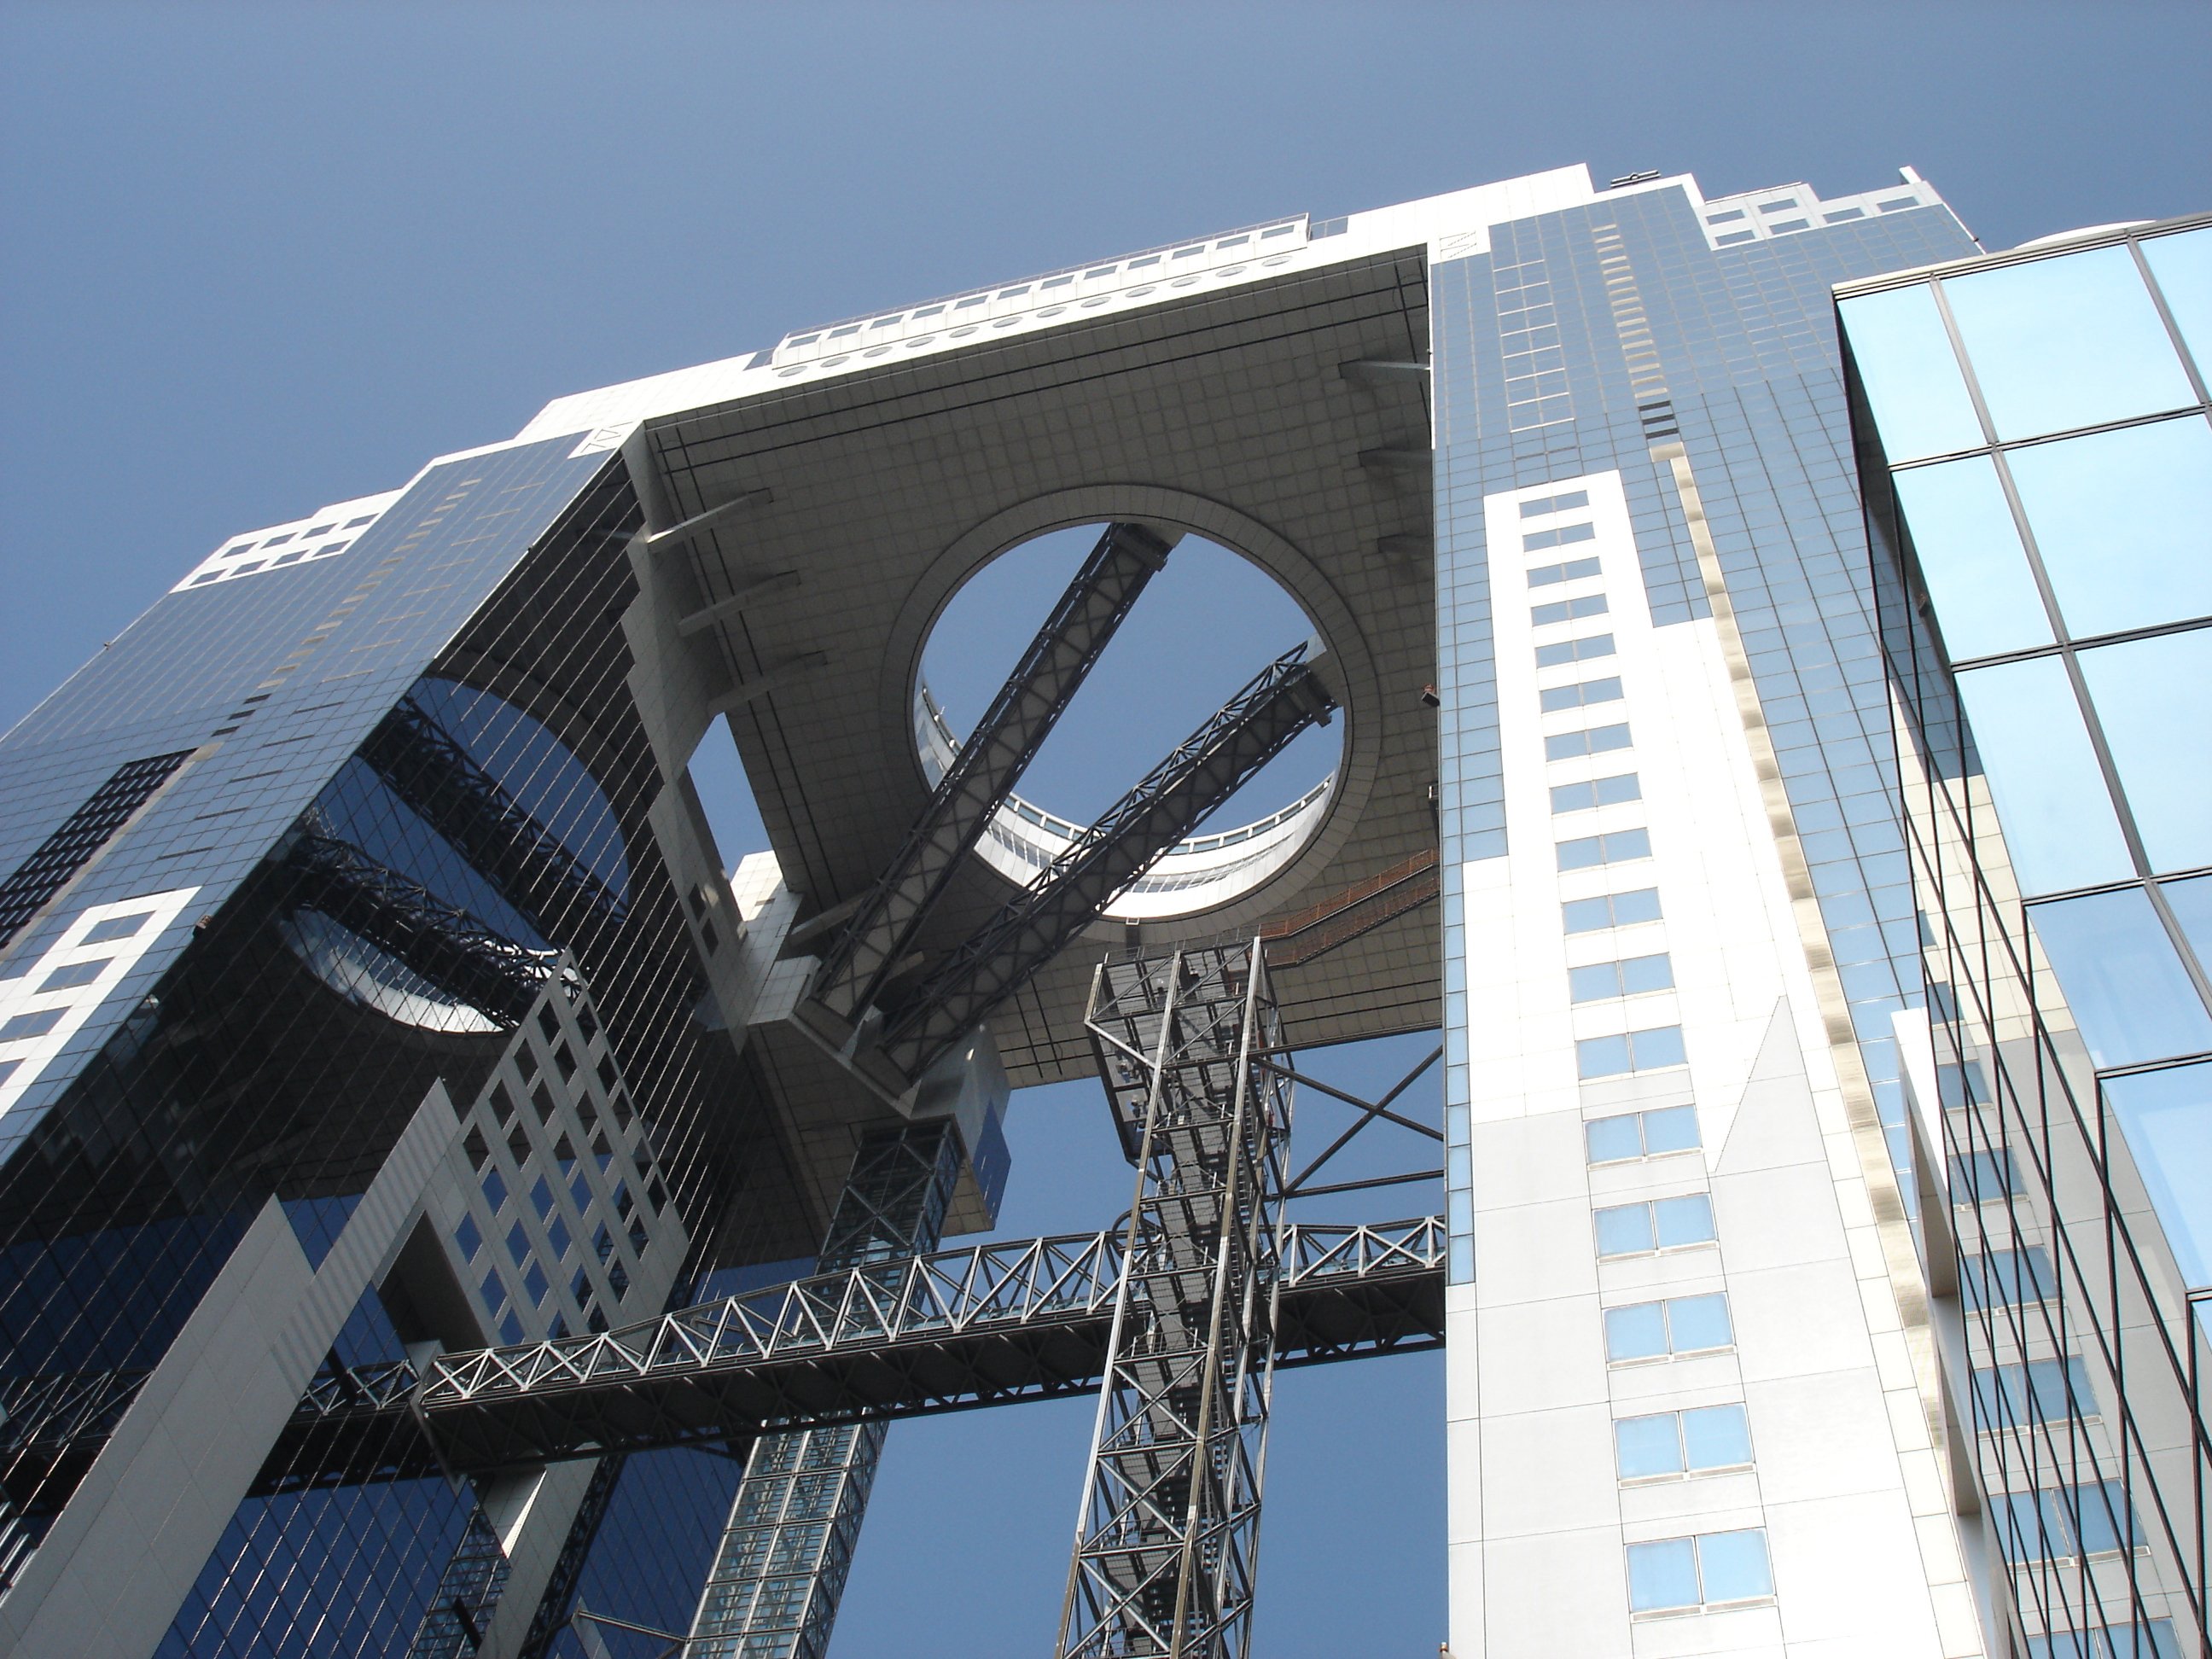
[(1205, 624)]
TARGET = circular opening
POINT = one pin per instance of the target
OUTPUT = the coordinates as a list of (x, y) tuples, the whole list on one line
[(1204, 626)]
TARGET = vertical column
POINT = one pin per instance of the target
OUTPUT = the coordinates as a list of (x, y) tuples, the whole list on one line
[(773, 1589), (1167, 1539)]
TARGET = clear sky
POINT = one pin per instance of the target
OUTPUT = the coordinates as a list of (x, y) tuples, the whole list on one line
[(258, 257)]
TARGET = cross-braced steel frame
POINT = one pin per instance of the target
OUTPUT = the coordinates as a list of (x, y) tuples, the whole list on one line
[(1005, 740), (1168, 1537), (1172, 799), (779, 1570)]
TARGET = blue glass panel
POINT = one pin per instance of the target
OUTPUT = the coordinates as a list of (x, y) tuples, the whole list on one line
[(2129, 994), (1699, 1322), (1733, 1565), (1717, 1438), (2153, 699), (1663, 1574), (2167, 1119), (1912, 380), (2050, 791), (1638, 1332), (2191, 904), (1970, 554), (1625, 1229), (1612, 1137), (2124, 522), (1673, 1129), (2182, 266), (2066, 342), (1683, 1220), (1646, 1446)]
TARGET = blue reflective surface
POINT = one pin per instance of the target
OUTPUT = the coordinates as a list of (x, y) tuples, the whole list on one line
[(1911, 374), (2154, 700), (1715, 1438), (2182, 266), (1970, 557), (1646, 1446), (1663, 1574), (1733, 1565), (2111, 358), (2050, 791), (2123, 523), (2167, 1119), (2130, 994)]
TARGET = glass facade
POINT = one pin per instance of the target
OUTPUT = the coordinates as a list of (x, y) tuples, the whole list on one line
[(302, 848), (2039, 472)]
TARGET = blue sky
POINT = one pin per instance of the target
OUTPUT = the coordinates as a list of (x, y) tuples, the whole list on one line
[(263, 257)]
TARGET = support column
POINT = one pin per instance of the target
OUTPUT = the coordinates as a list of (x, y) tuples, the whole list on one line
[(773, 1590), (1167, 1543)]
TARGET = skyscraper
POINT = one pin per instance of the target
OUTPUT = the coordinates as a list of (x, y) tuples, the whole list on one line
[(2040, 477), (375, 996)]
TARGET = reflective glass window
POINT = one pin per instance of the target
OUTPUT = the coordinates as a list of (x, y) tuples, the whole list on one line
[(1970, 557), (2182, 266), (1912, 379), (2154, 700), (2191, 903), (2130, 994), (2167, 1119), (2050, 791), (2066, 342), (2124, 522)]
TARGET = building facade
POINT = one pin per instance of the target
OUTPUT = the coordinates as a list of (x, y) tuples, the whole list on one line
[(371, 987), (2038, 471)]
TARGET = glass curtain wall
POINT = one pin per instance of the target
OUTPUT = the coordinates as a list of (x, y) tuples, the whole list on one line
[(2038, 460)]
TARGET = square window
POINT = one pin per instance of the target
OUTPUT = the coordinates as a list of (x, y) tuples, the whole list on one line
[(1695, 1323), (1670, 1129), (550, 1024), (1611, 1140), (494, 1293), (541, 1196), (1643, 1447), (1676, 1222), (1715, 1438), (495, 1189), (1594, 983), (510, 1331), (468, 1237), (1732, 1565), (115, 927), (534, 1282), (556, 1236), (1640, 974), (518, 1244), (1663, 1574), (1624, 1230), (1636, 1332)]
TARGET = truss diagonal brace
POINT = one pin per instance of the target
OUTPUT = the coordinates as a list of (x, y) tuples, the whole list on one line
[(988, 765), (1250, 730)]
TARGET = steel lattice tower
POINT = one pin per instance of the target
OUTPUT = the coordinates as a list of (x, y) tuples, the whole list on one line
[(1168, 1538), (773, 1590)]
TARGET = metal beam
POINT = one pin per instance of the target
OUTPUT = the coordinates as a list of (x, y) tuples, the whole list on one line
[(1167, 1545), (984, 773), (1211, 765), (991, 1324), (739, 600), (699, 523)]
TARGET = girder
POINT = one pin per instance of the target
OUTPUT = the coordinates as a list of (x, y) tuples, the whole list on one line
[(534, 870), (1207, 768), (988, 1325), (1167, 1543), (1015, 727), (446, 945)]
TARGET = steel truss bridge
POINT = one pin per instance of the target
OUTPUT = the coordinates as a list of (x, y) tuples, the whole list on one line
[(992, 1324)]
